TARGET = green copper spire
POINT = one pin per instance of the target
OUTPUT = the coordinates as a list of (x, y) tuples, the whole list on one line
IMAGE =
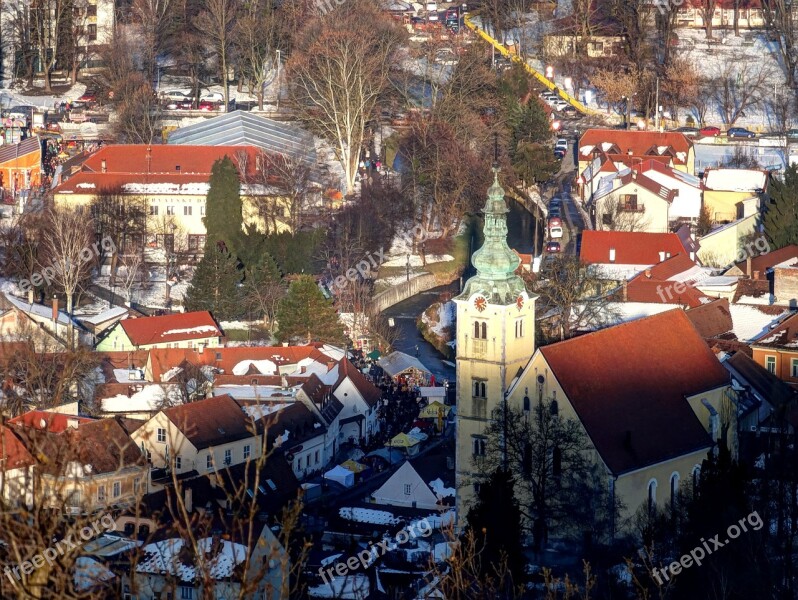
[(495, 261)]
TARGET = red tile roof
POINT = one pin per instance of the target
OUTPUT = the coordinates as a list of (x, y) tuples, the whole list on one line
[(211, 422), (670, 267), (370, 392), (628, 385), (655, 291), (163, 359), (631, 248), (165, 159), (43, 420), (13, 454), (712, 319), (763, 262), (171, 328), (638, 143)]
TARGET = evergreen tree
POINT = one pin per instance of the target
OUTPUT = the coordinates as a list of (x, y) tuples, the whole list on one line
[(305, 313), (223, 207), (781, 218), (534, 163), (495, 523), (528, 123), (215, 285)]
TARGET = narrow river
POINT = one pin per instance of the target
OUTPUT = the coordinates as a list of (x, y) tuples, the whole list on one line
[(520, 236)]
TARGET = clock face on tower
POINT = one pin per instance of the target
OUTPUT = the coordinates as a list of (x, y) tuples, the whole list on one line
[(480, 303), (519, 302)]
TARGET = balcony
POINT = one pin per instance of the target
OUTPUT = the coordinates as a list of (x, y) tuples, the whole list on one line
[(479, 347)]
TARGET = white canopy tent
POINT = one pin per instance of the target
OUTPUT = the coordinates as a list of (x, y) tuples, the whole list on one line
[(341, 475)]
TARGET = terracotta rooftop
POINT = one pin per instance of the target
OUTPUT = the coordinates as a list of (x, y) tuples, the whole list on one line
[(631, 248), (763, 262), (370, 392), (712, 319), (628, 385), (164, 159), (658, 291), (48, 421), (13, 454), (636, 143), (171, 328)]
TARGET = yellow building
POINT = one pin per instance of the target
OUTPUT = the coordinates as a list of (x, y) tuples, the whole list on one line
[(495, 338), (731, 194), (169, 184)]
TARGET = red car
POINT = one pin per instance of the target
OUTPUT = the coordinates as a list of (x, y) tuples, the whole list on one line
[(553, 247), (207, 105), (710, 131)]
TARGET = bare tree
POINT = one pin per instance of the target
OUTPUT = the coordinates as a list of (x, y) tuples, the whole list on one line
[(256, 42), (19, 39), (707, 12), (155, 17), (132, 273), (740, 84), (700, 103), (780, 19), (616, 214), (216, 23), (68, 251), (47, 18), (680, 86), (339, 70), (566, 286)]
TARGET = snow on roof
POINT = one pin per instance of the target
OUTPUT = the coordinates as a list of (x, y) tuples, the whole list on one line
[(265, 367), (193, 189), (197, 329), (38, 310), (398, 362), (150, 398), (440, 489), (164, 557), (258, 411), (749, 322), (255, 392), (368, 515), (106, 315), (90, 573), (735, 180), (126, 375), (717, 281)]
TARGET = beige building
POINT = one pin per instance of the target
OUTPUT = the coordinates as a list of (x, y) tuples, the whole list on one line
[(180, 330), (650, 395), (495, 338), (168, 186), (198, 439), (630, 201)]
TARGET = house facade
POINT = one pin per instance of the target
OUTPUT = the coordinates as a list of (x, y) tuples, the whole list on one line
[(183, 330), (630, 201)]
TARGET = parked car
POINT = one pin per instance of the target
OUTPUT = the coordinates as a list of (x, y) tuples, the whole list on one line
[(792, 135), (569, 111), (561, 143), (175, 95), (553, 247), (212, 97), (554, 202), (740, 132), (709, 131), (554, 211), (555, 227), (559, 104), (688, 131), (207, 105), (87, 99), (185, 104)]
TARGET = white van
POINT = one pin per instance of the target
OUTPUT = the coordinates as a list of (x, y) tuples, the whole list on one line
[(432, 11)]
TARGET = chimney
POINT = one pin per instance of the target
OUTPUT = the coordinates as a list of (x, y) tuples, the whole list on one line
[(627, 440), (748, 265), (330, 365), (661, 256), (692, 256), (55, 308), (612, 254), (648, 273), (756, 274), (104, 166), (30, 295), (189, 499), (629, 152), (625, 290)]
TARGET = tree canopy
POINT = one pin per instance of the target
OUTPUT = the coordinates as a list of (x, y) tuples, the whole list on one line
[(306, 314)]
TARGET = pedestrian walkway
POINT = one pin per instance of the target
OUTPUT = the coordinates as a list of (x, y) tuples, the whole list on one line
[(502, 49)]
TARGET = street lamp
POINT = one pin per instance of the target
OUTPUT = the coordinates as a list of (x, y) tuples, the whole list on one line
[(408, 267)]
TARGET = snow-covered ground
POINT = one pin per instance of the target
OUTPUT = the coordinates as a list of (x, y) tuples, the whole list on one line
[(446, 317)]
